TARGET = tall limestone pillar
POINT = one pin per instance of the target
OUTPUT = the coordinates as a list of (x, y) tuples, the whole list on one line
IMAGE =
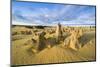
[(58, 32), (41, 41)]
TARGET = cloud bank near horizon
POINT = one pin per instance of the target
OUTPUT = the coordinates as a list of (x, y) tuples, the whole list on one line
[(50, 14)]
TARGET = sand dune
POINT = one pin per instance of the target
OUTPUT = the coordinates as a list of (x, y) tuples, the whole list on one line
[(57, 55), (88, 50)]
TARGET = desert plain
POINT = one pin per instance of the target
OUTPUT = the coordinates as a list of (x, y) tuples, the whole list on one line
[(52, 44)]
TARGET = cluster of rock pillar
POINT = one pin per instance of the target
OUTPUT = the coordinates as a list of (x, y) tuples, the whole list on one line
[(71, 41)]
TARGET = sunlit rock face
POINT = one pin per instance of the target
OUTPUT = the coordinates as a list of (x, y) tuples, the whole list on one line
[(58, 32)]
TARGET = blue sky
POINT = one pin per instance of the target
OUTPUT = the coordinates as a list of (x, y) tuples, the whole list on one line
[(34, 13)]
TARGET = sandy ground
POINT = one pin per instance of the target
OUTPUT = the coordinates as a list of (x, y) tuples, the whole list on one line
[(22, 54)]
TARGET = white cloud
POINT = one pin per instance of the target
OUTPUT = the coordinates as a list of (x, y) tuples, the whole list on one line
[(21, 23), (66, 14)]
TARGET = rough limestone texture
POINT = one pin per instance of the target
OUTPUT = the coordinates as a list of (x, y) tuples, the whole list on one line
[(41, 41), (58, 32), (72, 41)]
